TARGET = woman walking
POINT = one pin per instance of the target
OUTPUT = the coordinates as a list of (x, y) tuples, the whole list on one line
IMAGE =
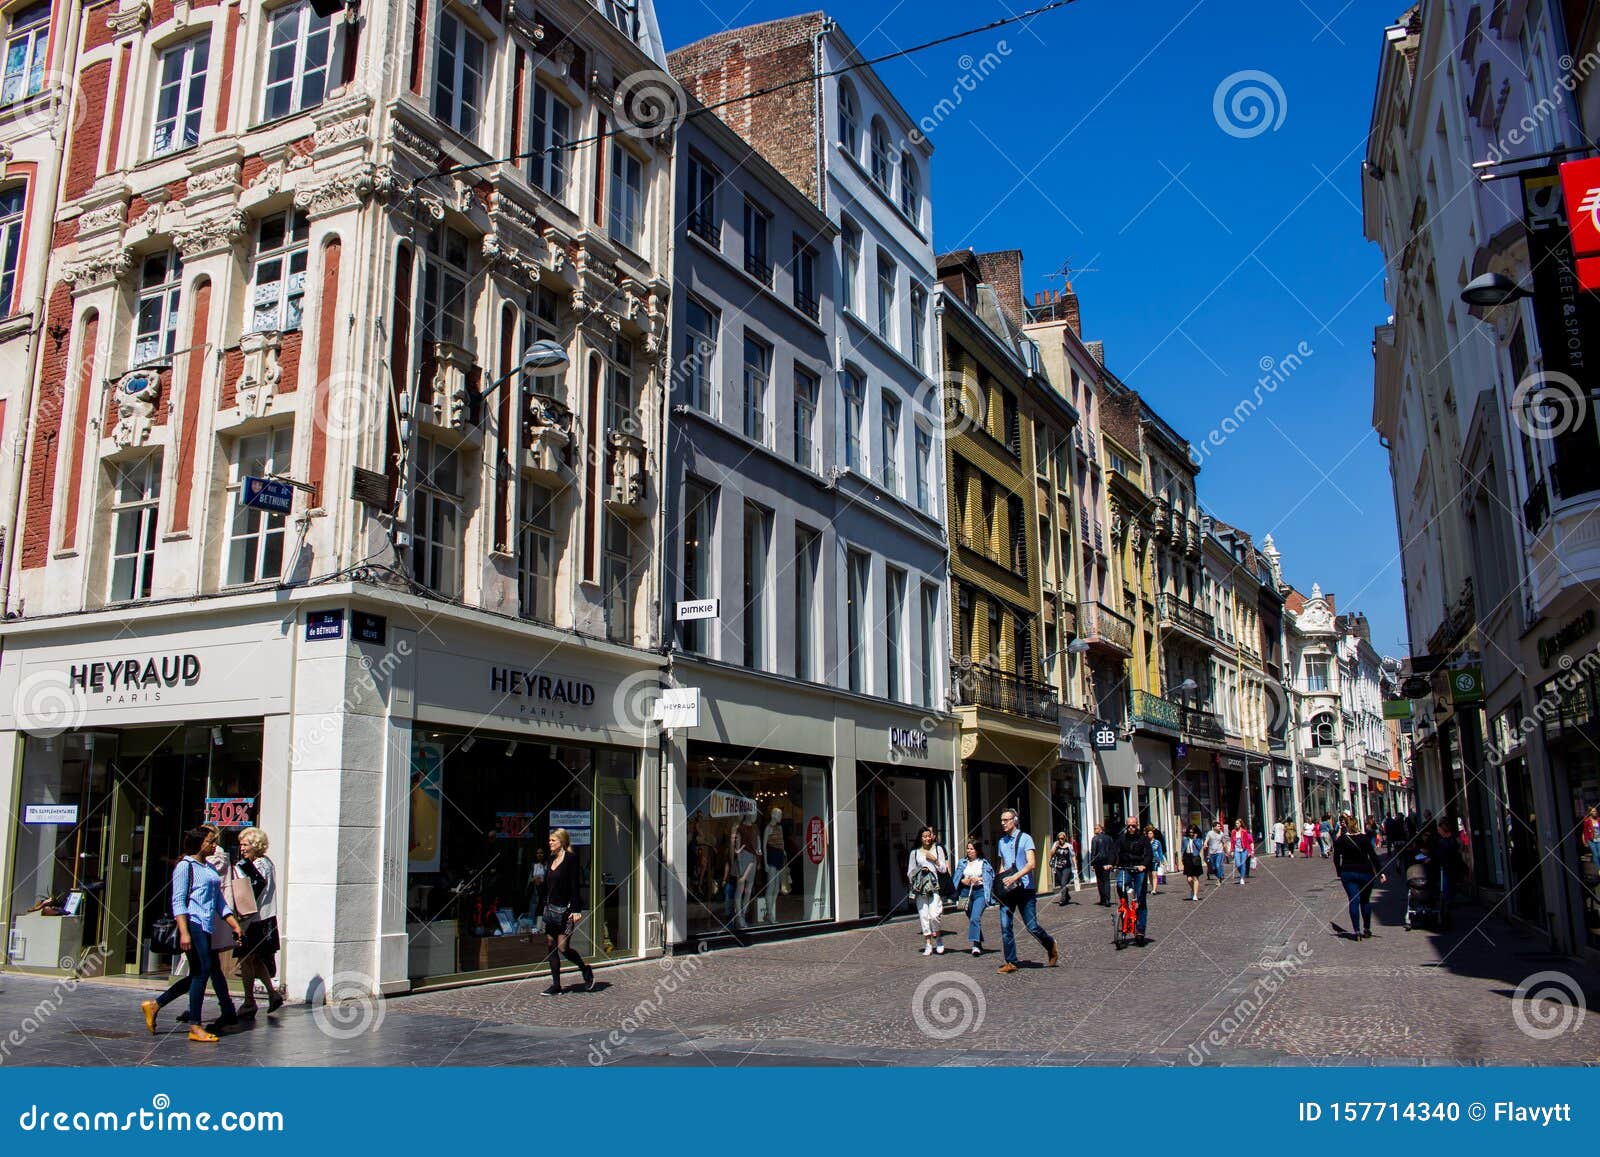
[(198, 905), (258, 944), (975, 885), (926, 864), (1158, 857), (1290, 838), (1357, 864), (561, 914), (1244, 846), (1193, 854), (1063, 868)]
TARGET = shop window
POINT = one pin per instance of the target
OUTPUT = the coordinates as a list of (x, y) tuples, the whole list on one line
[(256, 537), (757, 579), (757, 385), (759, 842), (807, 559), (889, 451), (536, 553), (482, 808), (180, 96), (278, 282), (27, 48), (13, 201), (699, 520), (894, 630), (700, 355), (459, 70), (627, 198), (446, 284), (854, 392), (135, 502), (806, 388), (436, 518), (619, 579), (160, 293), (550, 132), (299, 49), (858, 571)]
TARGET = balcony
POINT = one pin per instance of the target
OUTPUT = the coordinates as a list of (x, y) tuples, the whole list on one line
[(704, 226), (807, 305), (1203, 724), (627, 480), (758, 267), (1156, 711), (1174, 612), (976, 686), (1106, 630)]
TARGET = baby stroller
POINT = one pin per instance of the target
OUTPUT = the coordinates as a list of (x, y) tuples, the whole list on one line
[(1422, 895)]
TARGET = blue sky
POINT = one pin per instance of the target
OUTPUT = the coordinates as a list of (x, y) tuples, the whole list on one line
[(1096, 141)]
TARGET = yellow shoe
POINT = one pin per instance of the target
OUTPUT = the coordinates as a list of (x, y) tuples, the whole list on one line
[(201, 1037), (149, 1008)]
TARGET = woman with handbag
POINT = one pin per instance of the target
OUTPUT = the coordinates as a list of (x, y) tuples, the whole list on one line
[(258, 946), (199, 908), (561, 913), (1193, 856), (927, 863), (975, 887)]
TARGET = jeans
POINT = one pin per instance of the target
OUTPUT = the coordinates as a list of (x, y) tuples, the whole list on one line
[(1241, 862), (202, 968), (1028, 909), (1140, 883), (1358, 886), (978, 902), (1277, 850), (1102, 881), (1218, 862), (1594, 853)]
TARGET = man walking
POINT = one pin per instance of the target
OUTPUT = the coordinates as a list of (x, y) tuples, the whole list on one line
[(1018, 890), (1277, 840), (1063, 867), (1217, 850), (1103, 858), (1135, 862)]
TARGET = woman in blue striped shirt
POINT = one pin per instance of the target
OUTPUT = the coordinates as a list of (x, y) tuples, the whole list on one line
[(198, 902)]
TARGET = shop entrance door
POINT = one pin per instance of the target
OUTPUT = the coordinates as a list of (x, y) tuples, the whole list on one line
[(890, 808), (614, 873)]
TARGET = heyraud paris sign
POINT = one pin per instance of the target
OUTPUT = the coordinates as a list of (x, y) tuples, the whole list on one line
[(542, 688), (134, 678)]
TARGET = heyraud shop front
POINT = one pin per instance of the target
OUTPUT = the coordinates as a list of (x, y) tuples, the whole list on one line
[(408, 762)]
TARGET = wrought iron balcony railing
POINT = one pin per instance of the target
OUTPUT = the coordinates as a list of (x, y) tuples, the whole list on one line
[(977, 686)]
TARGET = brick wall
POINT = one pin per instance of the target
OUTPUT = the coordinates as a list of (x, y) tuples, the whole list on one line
[(1002, 271), (1119, 419), (83, 152), (41, 480)]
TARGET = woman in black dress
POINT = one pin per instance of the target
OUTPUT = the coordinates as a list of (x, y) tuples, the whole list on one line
[(561, 913)]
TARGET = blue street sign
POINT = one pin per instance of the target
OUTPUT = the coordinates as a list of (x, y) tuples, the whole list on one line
[(267, 494), (324, 625)]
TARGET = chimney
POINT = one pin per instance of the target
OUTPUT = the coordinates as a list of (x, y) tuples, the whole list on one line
[(1067, 311), (1003, 273)]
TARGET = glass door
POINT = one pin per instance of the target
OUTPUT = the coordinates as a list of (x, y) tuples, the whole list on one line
[(614, 877)]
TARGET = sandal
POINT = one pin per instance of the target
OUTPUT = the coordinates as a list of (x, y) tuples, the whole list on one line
[(200, 1036)]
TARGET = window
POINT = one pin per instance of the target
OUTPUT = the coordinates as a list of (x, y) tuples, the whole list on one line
[(536, 553), (699, 355), (882, 158), (550, 131), (889, 464), (458, 75), (1323, 731), (622, 403), (627, 197), (757, 248), (618, 579), (541, 319), (858, 568), (1017, 528), (134, 504), (849, 120), (757, 543), (255, 537), (807, 387), (807, 559), (446, 275), (1316, 673), (279, 281), (757, 379), (855, 404), (436, 519), (850, 241), (1012, 418), (887, 275), (12, 202), (299, 45), (919, 327), (699, 513), (703, 181), (27, 43), (924, 469), (804, 272), (1041, 450), (929, 641), (180, 96), (160, 290), (894, 629), (910, 188)]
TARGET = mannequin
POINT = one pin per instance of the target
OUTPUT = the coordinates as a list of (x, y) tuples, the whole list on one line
[(772, 843), (742, 863)]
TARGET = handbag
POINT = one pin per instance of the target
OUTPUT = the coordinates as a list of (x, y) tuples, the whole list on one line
[(924, 882), (241, 896), (165, 938), (260, 938), (555, 915)]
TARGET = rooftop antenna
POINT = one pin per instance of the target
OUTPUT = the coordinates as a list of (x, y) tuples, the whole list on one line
[(1068, 271)]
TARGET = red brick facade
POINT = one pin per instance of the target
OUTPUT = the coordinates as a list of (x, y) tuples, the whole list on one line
[(89, 345), (40, 486)]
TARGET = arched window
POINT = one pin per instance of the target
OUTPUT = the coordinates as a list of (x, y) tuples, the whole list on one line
[(849, 119), (910, 190), (1323, 731), (882, 158)]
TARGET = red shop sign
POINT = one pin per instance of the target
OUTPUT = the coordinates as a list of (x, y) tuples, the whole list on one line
[(229, 812), (816, 839), (1580, 189)]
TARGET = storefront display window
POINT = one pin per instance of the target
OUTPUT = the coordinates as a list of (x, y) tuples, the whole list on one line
[(892, 804), (760, 834), (1583, 774), (481, 812), (990, 790)]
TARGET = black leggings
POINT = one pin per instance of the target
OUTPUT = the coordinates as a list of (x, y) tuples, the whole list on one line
[(561, 945)]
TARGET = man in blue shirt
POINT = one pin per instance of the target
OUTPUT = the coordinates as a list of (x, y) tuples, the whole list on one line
[(1018, 889)]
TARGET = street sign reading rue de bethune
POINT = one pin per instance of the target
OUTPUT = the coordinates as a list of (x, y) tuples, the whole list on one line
[(267, 494)]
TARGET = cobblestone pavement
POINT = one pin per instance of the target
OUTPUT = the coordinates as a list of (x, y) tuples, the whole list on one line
[(1250, 975)]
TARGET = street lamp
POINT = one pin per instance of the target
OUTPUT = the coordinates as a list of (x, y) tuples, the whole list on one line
[(1493, 290)]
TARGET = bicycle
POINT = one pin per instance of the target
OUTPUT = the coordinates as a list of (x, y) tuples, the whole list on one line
[(1127, 927)]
